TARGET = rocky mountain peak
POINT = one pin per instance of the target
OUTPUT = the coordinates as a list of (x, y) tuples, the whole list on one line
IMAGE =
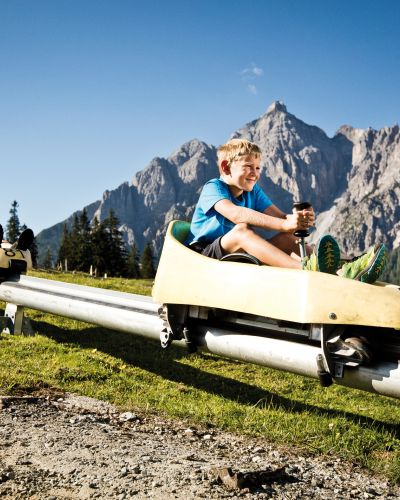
[(352, 180), (276, 106), (368, 210), (298, 158)]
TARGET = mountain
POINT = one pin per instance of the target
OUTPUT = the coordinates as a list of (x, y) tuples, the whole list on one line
[(165, 190), (368, 209), (352, 180)]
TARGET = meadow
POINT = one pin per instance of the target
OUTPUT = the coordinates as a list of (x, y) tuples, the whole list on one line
[(204, 389)]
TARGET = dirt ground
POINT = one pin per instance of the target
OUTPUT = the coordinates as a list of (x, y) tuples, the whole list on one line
[(62, 446)]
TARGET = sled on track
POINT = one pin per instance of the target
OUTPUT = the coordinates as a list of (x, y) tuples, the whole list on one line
[(354, 323), (14, 261)]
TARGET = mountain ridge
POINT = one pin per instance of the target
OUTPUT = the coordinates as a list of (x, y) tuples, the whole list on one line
[(351, 180)]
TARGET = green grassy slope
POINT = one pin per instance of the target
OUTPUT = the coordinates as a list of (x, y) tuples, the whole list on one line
[(133, 372)]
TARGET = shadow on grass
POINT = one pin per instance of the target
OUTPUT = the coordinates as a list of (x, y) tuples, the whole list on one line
[(148, 355)]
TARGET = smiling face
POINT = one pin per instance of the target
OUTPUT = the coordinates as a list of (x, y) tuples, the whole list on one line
[(241, 174)]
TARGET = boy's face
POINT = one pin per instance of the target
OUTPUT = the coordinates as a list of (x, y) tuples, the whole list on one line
[(241, 174)]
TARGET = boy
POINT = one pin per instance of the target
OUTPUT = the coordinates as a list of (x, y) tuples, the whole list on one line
[(228, 207)]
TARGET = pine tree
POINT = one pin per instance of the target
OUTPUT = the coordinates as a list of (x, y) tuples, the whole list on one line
[(147, 269), (116, 264), (392, 270), (73, 261), (13, 226), (66, 247), (82, 243), (133, 267), (99, 246), (48, 259)]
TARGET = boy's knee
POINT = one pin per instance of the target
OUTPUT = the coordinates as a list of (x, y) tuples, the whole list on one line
[(242, 227), (242, 230), (237, 238)]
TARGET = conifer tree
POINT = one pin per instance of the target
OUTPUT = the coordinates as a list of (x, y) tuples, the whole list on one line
[(147, 269), (116, 251), (48, 259), (99, 245), (74, 237), (392, 270), (13, 225), (82, 243), (66, 247), (133, 267)]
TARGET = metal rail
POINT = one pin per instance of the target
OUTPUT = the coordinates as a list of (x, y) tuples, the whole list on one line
[(138, 315), (121, 311)]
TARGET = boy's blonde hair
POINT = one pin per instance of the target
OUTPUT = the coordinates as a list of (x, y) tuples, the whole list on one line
[(234, 148)]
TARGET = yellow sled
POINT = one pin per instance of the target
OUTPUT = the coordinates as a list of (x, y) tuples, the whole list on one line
[(187, 277), (14, 261)]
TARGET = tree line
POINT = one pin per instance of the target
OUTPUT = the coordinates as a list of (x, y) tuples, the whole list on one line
[(14, 228), (98, 246), (392, 270)]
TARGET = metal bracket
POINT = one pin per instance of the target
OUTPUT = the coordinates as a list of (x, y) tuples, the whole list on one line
[(174, 318), (6, 325), (14, 322), (339, 353), (339, 370)]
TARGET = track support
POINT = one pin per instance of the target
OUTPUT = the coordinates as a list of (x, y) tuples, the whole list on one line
[(14, 321)]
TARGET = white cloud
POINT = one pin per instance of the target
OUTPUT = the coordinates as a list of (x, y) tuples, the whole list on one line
[(252, 72), (252, 88), (249, 75)]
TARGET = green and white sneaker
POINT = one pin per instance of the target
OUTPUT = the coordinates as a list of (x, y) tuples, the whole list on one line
[(325, 256), (368, 267)]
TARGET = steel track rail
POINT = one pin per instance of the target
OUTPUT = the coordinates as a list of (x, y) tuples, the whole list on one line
[(137, 314), (115, 310)]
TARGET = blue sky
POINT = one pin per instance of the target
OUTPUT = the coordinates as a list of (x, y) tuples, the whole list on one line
[(92, 90)]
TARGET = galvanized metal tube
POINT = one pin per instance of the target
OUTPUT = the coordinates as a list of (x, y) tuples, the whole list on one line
[(280, 354), (133, 314), (85, 292), (381, 378)]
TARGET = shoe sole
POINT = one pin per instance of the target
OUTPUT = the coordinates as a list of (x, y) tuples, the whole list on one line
[(328, 254), (375, 268)]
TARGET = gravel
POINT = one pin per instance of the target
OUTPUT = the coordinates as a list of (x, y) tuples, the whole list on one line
[(72, 447)]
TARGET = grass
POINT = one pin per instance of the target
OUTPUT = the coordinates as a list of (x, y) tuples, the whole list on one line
[(205, 389)]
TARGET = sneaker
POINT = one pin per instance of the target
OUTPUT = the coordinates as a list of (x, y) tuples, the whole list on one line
[(325, 256), (368, 267)]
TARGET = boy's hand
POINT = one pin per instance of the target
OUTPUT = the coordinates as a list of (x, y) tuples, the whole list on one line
[(309, 216), (291, 223), (303, 219)]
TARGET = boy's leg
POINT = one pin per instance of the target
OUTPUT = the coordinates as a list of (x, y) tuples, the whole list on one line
[(289, 244), (241, 237), (368, 267)]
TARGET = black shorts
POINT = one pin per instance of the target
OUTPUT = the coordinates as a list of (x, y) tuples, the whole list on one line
[(213, 250)]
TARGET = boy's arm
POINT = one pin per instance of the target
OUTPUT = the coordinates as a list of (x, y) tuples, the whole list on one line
[(274, 211), (272, 218), (277, 212)]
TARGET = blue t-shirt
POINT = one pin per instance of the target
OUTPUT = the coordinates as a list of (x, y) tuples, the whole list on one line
[(207, 224)]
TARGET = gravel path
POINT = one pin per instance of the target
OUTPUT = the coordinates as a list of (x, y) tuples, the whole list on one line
[(70, 447)]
